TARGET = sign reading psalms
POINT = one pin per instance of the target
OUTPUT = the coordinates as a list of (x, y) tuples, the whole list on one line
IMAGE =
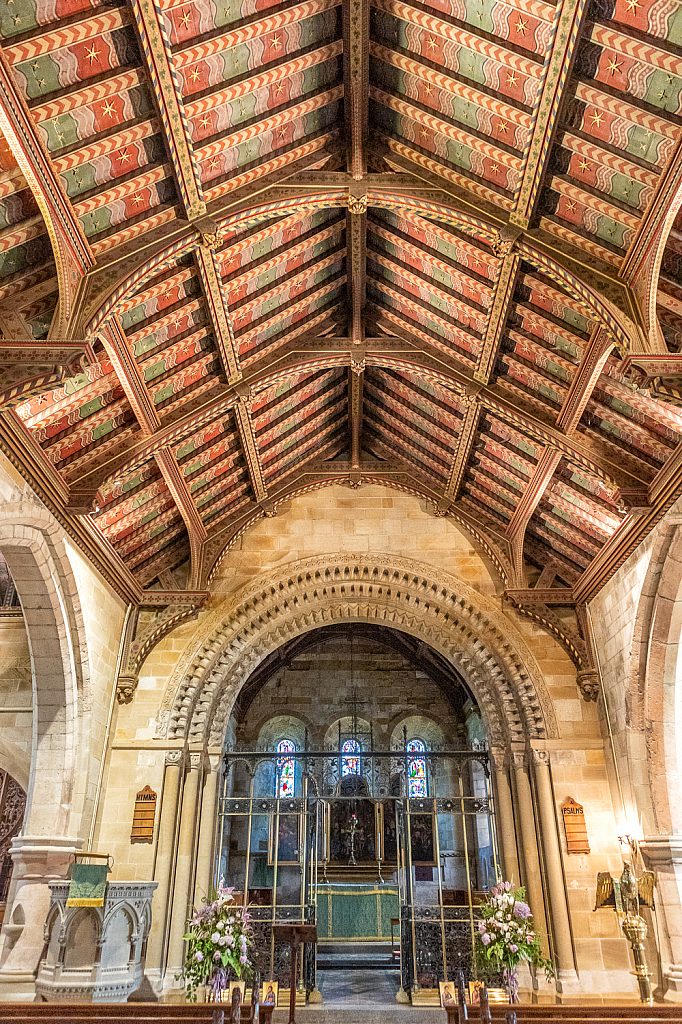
[(575, 828)]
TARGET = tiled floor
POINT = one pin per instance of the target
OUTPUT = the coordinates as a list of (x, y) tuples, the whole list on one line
[(358, 988)]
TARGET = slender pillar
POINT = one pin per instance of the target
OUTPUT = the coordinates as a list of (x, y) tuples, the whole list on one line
[(531, 858), (183, 888), (207, 822), (555, 876), (163, 864), (504, 817)]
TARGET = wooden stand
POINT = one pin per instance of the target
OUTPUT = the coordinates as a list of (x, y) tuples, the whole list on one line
[(295, 934)]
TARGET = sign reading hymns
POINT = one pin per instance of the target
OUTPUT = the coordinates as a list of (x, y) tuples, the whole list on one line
[(575, 828)]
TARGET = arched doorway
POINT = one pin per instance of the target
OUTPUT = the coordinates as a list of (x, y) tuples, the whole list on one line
[(357, 791)]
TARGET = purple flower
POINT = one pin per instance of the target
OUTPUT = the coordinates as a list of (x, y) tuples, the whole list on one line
[(485, 938), (243, 958), (507, 886), (513, 948), (521, 910), (216, 955), (198, 956)]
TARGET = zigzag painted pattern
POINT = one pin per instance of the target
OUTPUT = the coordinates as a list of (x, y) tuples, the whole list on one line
[(263, 80), (241, 135), (270, 23), (429, 292), (81, 31), (89, 94), (386, 199), (429, 316), (127, 188), (435, 237), (251, 275), (107, 145), (249, 335), (285, 159), (132, 231)]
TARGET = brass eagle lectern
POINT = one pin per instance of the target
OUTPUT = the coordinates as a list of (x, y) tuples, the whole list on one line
[(626, 895)]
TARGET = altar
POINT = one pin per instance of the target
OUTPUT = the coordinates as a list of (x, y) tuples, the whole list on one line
[(348, 912)]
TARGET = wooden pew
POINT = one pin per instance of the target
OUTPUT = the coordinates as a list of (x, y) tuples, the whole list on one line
[(235, 1012), (528, 1013)]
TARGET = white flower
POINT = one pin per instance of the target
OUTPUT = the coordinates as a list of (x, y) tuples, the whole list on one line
[(222, 940), (215, 936), (499, 915), (220, 925)]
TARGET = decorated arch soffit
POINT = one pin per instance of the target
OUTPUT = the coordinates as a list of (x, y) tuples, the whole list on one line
[(461, 624), (248, 249)]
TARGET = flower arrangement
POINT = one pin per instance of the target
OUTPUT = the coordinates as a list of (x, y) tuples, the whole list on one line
[(507, 936), (219, 936)]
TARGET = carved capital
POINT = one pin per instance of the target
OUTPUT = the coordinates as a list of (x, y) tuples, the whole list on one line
[(502, 246), (589, 684), (357, 204), (196, 761), (539, 757), (175, 757), (517, 761), (125, 688)]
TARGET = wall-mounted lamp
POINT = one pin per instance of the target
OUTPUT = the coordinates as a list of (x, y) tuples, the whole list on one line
[(628, 840)]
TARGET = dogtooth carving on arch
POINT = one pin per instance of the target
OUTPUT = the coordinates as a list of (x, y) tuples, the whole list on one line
[(463, 625)]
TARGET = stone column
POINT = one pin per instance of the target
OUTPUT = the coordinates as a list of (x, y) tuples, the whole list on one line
[(207, 824), (529, 843), (663, 854), (183, 888), (504, 816), (163, 863), (561, 927), (37, 861)]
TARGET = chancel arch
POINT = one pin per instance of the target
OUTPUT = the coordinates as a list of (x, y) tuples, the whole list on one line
[(459, 623)]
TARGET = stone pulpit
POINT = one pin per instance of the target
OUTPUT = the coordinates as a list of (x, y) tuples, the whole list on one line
[(95, 954)]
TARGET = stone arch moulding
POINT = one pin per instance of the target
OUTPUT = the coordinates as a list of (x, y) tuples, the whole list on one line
[(465, 627), (33, 544)]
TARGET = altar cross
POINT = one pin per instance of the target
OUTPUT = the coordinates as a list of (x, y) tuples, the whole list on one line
[(354, 700)]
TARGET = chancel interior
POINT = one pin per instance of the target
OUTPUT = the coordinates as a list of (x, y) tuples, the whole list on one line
[(340, 496)]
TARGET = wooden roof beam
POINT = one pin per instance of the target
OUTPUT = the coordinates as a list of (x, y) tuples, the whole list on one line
[(217, 306), (127, 370), (247, 436), (356, 81), (355, 411), (568, 21), (196, 531), (72, 253), (156, 53), (536, 487)]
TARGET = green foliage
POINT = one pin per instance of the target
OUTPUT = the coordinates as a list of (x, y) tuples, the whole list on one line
[(506, 935), (218, 938)]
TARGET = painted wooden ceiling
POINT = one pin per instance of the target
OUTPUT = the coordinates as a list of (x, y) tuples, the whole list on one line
[(249, 249)]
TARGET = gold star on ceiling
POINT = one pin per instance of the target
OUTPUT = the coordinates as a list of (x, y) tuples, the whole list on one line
[(511, 78), (93, 55), (663, 95), (569, 206), (503, 125), (282, 132), (584, 165), (632, 5), (494, 168), (194, 74), (124, 156), (614, 66), (280, 87), (186, 18), (138, 199), (597, 118), (177, 322), (108, 109), (214, 163), (276, 42), (427, 89), (521, 26), (424, 133), (205, 121), (432, 44)]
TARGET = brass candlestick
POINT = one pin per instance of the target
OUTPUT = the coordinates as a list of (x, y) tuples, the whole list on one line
[(353, 827), (634, 930)]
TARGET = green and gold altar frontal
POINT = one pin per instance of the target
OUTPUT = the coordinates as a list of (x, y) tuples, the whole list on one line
[(356, 913)]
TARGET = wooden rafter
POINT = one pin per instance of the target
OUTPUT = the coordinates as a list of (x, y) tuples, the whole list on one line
[(356, 80), (249, 443), (503, 294), (129, 374), (536, 487), (175, 481), (217, 307), (566, 30), (355, 417), (72, 253), (156, 52), (467, 438)]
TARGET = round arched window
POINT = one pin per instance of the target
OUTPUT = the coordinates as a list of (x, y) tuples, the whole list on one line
[(416, 767), (285, 769)]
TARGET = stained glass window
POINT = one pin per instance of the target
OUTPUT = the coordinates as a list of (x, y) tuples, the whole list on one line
[(285, 769), (350, 765), (416, 784)]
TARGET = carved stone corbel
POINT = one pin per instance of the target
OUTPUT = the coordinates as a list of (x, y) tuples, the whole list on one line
[(589, 684), (126, 685)]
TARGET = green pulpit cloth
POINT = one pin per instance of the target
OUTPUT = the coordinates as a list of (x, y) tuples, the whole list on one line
[(88, 885), (356, 913)]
